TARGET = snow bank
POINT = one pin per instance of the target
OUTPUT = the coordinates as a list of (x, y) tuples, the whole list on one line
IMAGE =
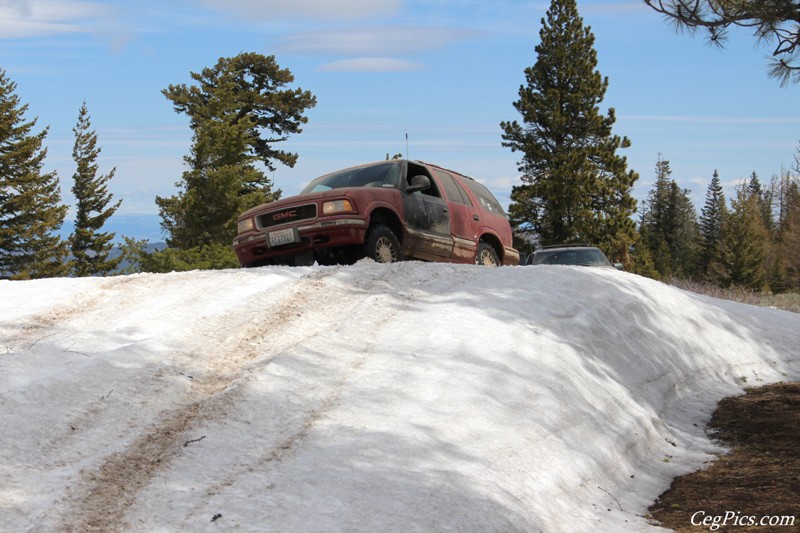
[(406, 397)]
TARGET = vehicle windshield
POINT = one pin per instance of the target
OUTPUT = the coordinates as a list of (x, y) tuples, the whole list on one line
[(380, 175), (567, 256)]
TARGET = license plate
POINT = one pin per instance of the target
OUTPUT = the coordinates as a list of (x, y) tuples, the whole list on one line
[(283, 236)]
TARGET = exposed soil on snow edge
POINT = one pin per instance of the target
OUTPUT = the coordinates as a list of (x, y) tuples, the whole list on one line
[(758, 480)]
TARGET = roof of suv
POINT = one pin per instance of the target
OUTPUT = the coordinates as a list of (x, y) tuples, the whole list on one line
[(582, 255)]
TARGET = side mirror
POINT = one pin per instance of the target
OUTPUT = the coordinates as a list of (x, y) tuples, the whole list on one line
[(618, 266), (418, 183)]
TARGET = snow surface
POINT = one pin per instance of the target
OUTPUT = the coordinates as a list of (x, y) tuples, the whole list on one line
[(405, 397)]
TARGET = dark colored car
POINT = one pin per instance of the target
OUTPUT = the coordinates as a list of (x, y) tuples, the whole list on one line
[(570, 255), (388, 211)]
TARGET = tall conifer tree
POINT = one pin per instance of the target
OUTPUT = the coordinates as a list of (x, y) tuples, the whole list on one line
[(239, 110), (669, 225), (711, 217), (90, 245), (574, 185), (31, 212), (654, 224), (764, 199), (740, 260), (789, 228)]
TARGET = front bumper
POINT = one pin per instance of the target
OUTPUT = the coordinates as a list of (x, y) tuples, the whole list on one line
[(252, 248)]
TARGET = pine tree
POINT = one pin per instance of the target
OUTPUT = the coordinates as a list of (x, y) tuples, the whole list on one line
[(31, 212), (711, 217), (654, 223), (669, 226), (238, 111), (764, 199), (685, 232), (653, 220), (789, 229), (90, 246), (740, 260), (574, 185)]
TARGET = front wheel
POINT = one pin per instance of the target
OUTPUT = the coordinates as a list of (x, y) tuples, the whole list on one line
[(382, 245), (486, 255)]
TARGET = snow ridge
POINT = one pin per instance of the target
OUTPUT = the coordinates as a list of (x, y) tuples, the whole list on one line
[(405, 397)]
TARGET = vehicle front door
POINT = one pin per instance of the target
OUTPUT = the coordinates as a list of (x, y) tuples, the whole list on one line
[(428, 219)]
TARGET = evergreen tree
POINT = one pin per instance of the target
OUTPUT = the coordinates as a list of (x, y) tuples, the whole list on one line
[(788, 191), (685, 233), (90, 246), (763, 198), (789, 230), (740, 260), (653, 226), (31, 212), (238, 111), (669, 225), (574, 185), (642, 261), (711, 217)]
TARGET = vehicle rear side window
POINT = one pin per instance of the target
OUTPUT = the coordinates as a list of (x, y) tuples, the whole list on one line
[(451, 187), (487, 200)]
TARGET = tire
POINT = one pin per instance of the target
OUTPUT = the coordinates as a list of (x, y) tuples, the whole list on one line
[(486, 255), (382, 245)]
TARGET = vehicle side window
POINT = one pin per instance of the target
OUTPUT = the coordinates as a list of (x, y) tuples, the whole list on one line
[(487, 200), (452, 189), (415, 170)]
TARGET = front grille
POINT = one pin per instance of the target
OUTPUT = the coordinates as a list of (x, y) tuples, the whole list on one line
[(287, 215)]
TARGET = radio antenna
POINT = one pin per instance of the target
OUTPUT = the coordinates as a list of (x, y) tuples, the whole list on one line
[(407, 155)]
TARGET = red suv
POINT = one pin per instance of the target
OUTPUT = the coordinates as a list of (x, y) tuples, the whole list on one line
[(388, 211)]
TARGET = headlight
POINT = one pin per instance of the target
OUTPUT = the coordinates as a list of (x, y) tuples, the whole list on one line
[(337, 206), (245, 225)]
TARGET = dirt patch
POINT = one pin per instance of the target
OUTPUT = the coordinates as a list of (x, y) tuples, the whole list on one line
[(759, 480)]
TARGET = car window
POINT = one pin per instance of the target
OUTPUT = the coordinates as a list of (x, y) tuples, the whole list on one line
[(380, 175), (486, 198), (416, 170), (452, 189)]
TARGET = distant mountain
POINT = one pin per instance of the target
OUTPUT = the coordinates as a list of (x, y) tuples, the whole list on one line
[(135, 226)]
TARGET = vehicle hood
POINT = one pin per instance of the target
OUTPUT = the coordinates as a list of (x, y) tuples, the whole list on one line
[(315, 197)]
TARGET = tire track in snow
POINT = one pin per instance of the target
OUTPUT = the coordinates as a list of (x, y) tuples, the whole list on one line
[(105, 493), (243, 339), (372, 313), (100, 308), (385, 299), (48, 324)]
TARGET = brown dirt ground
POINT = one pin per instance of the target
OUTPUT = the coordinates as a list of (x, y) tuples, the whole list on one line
[(760, 477)]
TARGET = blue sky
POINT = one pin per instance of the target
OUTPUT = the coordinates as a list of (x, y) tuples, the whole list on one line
[(444, 71)]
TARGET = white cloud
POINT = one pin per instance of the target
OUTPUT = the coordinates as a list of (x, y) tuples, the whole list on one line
[(32, 18), (371, 64), (614, 8), (14, 28), (307, 9), (384, 40)]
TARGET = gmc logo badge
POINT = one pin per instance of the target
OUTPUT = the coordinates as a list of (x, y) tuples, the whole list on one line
[(285, 214)]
